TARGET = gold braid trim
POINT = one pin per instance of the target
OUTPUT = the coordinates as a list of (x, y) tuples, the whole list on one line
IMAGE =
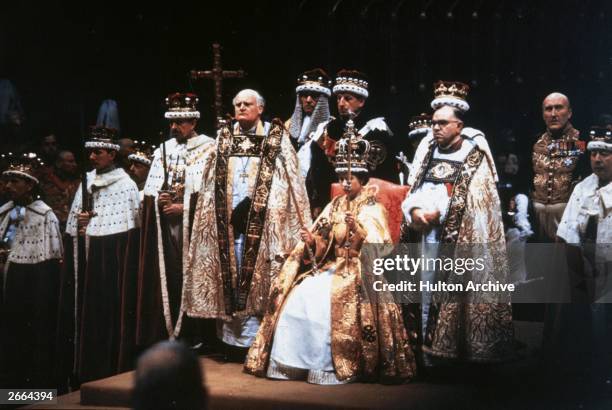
[(257, 213), (457, 205), (424, 165), (224, 141)]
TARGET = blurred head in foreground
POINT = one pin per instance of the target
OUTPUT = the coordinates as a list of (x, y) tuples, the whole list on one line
[(168, 376)]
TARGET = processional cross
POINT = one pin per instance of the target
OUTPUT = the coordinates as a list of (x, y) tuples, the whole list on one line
[(217, 74)]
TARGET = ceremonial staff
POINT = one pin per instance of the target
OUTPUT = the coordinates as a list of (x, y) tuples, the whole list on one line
[(81, 258), (349, 134), (164, 187), (309, 251), (86, 203), (350, 131)]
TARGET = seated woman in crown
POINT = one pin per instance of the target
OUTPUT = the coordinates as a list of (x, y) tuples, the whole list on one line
[(320, 325)]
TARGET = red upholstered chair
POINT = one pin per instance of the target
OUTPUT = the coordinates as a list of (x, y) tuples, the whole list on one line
[(390, 196)]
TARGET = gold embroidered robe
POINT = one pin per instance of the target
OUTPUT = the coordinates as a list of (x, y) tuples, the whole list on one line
[(473, 326), (368, 339), (204, 288)]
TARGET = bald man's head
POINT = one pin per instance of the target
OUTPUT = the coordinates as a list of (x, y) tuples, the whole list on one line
[(556, 96), (556, 112)]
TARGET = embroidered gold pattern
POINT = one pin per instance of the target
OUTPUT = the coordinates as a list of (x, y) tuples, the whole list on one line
[(464, 325), (443, 171), (247, 145), (269, 148), (368, 339), (554, 163), (457, 206), (257, 214), (223, 149)]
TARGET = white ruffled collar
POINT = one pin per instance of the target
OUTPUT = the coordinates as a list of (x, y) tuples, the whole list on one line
[(105, 179)]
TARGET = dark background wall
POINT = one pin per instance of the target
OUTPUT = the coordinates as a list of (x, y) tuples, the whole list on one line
[(65, 59)]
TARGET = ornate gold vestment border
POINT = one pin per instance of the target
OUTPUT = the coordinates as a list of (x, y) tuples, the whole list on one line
[(456, 208), (243, 145)]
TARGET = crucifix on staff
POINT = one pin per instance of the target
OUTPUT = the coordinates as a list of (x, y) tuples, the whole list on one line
[(217, 74)]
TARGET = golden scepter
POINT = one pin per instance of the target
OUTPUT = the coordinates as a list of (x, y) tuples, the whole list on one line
[(349, 134)]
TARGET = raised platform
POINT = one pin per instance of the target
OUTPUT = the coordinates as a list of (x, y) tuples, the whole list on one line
[(230, 388), (505, 386)]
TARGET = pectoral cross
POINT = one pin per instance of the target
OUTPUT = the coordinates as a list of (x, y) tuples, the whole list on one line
[(243, 172), (217, 74)]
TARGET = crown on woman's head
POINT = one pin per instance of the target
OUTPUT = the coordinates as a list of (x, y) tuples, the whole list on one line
[(356, 150)]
